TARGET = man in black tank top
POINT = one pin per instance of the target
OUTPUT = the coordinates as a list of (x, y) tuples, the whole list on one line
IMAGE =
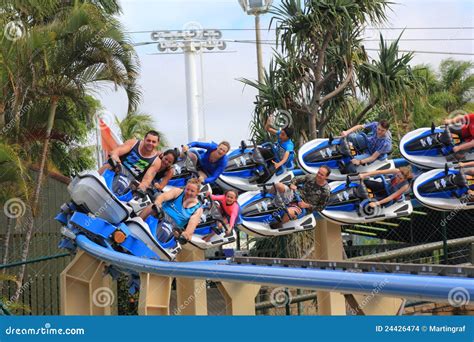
[(140, 157)]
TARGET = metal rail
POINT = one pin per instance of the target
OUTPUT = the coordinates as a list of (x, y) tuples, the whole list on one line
[(419, 286), (359, 266)]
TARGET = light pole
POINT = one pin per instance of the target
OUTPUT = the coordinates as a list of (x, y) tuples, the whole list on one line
[(190, 42), (257, 7)]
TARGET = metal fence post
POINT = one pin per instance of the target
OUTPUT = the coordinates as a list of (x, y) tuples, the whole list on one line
[(472, 253)]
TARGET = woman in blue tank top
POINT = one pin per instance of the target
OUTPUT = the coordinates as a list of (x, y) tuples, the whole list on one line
[(181, 206), (392, 188)]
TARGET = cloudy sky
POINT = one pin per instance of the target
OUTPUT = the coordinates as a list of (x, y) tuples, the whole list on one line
[(228, 105)]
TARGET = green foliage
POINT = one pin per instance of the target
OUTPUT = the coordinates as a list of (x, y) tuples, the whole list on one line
[(66, 49), (389, 76), (14, 307), (14, 178), (136, 125), (319, 62), (443, 92), (319, 73)]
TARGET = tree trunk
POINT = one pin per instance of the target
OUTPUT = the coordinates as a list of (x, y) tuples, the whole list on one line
[(2, 114), (18, 115), (6, 243), (16, 112), (362, 114), (301, 139), (321, 132), (36, 195), (312, 126)]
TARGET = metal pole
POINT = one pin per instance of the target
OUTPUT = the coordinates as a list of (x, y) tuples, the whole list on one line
[(398, 253), (201, 103), (444, 232), (259, 48), (287, 305), (31, 261), (472, 253), (98, 142), (192, 95), (370, 227), (238, 240), (300, 304)]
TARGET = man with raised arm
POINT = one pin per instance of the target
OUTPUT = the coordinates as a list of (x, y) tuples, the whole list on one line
[(139, 157)]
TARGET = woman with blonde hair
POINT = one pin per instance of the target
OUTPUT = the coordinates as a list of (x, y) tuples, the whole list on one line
[(182, 210), (391, 188), (212, 163)]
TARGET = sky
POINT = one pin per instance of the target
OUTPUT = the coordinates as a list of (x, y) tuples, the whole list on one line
[(227, 104)]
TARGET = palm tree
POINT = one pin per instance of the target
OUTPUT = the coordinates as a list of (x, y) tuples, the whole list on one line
[(79, 48), (385, 78), (14, 183), (318, 42), (443, 92), (68, 152), (455, 85), (136, 125), (15, 76), (314, 70)]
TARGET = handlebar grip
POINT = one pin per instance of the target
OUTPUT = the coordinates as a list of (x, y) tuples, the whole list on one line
[(112, 163)]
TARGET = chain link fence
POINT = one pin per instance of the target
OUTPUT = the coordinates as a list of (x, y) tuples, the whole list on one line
[(39, 293)]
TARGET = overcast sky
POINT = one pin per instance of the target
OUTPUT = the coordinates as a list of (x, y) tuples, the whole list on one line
[(228, 105)]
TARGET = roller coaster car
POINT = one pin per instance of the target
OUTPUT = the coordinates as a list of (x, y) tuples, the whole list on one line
[(102, 212), (349, 204), (96, 212), (334, 152), (249, 166), (186, 169), (90, 193), (209, 227), (261, 209), (431, 148), (445, 189)]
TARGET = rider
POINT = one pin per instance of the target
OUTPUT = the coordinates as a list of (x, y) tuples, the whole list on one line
[(181, 208), (313, 194), (378, 143), (166, 171), (213, 162), (286, 147), (230, 209), (469, 172), (397, 184), (467, 132), (139, 157)]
